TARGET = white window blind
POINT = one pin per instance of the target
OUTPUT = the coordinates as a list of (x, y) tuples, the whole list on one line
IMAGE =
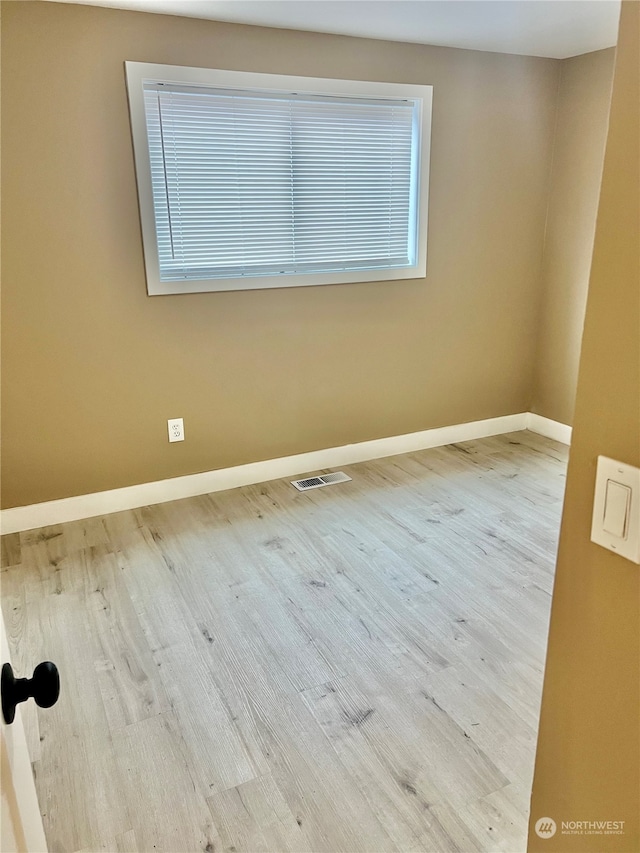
[(250, 183)]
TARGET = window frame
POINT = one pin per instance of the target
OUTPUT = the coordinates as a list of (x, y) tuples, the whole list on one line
[(137, 73)]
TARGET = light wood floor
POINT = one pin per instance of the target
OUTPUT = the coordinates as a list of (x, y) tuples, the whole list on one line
[(355, 668)]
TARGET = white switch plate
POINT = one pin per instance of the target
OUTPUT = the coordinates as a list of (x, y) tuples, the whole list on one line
[(609, 475), (176, 429)]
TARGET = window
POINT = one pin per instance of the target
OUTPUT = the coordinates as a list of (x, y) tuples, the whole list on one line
[(258, 180)]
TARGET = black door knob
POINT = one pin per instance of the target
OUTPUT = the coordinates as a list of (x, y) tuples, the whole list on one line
[(44, 687)]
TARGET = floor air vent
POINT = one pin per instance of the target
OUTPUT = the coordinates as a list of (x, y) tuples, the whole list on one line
[(318, 482)]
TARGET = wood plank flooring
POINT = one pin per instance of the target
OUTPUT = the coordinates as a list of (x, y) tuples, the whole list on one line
[(354, 668)]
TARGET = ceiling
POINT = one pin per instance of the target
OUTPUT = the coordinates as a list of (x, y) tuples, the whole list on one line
[(552, 28)]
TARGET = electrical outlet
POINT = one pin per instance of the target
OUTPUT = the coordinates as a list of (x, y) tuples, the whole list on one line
[(176, 429)]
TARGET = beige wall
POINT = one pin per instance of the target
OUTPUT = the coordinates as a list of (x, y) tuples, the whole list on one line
[(587, 764), (584, 96), (92, 367)]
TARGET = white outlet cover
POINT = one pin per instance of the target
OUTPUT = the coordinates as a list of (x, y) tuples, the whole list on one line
[(175, 427), (619, 474)]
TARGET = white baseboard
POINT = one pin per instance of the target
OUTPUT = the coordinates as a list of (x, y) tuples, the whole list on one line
[(101, 503), (550, 429)]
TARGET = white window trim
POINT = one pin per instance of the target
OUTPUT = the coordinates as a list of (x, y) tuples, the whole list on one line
[(138, 72)]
